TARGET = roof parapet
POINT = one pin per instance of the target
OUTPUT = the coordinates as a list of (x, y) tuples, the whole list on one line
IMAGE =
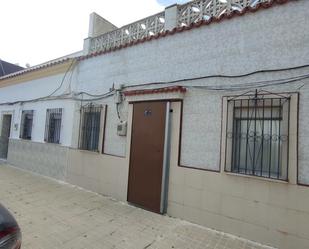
[(174, 17), (99, 26)]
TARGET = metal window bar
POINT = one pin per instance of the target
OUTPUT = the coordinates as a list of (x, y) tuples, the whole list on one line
[(90, 123), (26, 125), (53, 125), (259, 136)]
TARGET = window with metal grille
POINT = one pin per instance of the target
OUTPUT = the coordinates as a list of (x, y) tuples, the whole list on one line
[(90, 124), (26, 125), (258, 136), (53, 125)]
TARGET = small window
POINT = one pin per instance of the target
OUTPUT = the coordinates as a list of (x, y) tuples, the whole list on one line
[(90, 124), (26, 125), (53, 125), (258, 136)]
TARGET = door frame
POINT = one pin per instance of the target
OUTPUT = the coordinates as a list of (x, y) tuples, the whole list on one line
[(166, 150), (12, 121), (10, 113)]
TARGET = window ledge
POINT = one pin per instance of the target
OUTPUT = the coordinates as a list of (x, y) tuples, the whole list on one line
[(89, 151), (24, 139), (45, 142), (257, 178)]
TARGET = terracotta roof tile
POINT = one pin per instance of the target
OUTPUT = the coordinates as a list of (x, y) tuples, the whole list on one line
[(35, 68), (156, 91)]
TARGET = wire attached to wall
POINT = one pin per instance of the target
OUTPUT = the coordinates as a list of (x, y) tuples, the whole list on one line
[(63, 79), (49, 96), (245, 86), (222, 76), (238, 87)]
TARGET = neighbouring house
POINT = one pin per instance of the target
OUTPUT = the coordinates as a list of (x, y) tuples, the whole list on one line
[(199, 112), (8, 68)]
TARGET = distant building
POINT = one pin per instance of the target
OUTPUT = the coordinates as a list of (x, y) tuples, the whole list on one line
[(8, 68)]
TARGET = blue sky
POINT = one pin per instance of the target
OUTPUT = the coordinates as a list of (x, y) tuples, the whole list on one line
[(170, 2), (38, 31)]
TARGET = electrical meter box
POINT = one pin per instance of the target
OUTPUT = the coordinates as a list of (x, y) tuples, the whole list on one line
[(118, 97), (122, 129)]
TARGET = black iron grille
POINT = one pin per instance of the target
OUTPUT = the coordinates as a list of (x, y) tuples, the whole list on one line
[(90, 123), (53, 125), (258, 134), (26, 125)]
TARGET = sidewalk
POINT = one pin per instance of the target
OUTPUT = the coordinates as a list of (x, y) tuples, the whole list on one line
[(53, 215)]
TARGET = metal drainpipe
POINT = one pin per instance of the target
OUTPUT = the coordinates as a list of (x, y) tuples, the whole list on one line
[(166, 160)]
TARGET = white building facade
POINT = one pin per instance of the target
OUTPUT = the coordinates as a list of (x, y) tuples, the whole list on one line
[(199, 112)]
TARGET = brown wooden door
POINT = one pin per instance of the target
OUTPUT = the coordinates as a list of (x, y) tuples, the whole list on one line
[(147, 152)]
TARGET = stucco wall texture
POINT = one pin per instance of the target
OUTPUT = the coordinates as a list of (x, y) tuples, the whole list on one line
[(234, 46), (44, 159), (261, 40), (113, 144), (257, 41), (252, 42), (273, 213), (102, 174), (39, 119)]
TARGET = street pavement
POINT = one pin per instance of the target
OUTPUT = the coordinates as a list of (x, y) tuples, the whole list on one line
[(55, 215)]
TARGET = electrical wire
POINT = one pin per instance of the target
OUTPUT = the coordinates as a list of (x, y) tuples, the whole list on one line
[(244, 86), (63, 78), (223, 76), (100, 97), (67, 96), (47, 97), (93, 95), (118, 112), (237, 87), (111, 93)]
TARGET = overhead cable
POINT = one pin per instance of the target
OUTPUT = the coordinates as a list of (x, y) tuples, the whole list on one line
[(235, 87)]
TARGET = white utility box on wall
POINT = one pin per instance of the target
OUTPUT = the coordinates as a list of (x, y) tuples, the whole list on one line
[(122, 129)]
